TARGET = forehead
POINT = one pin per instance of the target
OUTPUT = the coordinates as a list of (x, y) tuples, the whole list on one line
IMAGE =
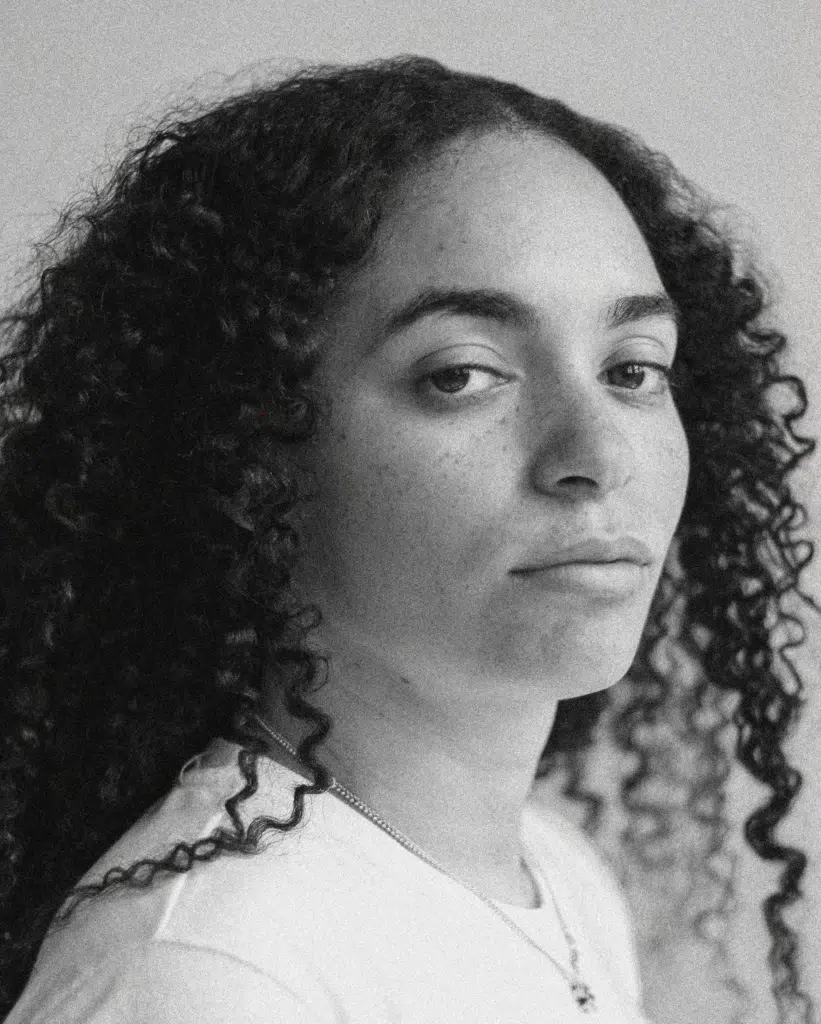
[(520, 213)]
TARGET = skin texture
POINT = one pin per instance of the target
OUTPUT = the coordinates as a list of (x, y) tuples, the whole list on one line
[(446, 667)]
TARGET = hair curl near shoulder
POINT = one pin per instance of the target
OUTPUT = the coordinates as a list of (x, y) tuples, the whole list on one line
[(155, 382)]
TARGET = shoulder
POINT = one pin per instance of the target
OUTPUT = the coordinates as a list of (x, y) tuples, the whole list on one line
[(183, 940), (201, 944)]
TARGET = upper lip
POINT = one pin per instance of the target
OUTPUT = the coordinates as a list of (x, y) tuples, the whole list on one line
[(595, 549)]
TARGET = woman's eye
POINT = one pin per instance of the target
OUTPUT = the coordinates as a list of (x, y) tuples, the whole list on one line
[(465, 379), (635, 374)]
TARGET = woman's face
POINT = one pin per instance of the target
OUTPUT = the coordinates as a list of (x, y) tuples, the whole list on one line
[(486, 413)]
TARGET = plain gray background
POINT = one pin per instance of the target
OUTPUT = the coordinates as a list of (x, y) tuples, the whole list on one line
[(729, 91)]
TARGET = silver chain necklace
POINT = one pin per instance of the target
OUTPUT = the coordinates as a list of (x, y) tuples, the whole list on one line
[(581, 991)]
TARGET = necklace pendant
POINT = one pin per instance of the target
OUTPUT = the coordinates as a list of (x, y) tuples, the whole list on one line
[(584, 996)]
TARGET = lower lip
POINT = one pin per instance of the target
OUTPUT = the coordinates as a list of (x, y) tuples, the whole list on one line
[(616, 578)]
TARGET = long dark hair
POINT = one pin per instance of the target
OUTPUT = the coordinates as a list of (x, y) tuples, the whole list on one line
[(156, 379)]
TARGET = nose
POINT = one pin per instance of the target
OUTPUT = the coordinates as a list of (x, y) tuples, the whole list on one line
[(581, 447)]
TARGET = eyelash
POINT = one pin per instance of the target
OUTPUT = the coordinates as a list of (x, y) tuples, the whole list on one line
[(667, 373)]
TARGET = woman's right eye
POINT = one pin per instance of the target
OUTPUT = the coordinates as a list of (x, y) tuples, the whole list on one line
[(464, 380)]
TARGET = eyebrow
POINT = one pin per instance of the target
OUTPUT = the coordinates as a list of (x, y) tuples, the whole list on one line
[(507, 309)]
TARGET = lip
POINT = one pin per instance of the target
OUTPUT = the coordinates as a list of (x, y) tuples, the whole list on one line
[(596, 551)]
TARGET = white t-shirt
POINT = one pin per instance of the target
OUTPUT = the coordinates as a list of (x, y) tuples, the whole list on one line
[(334, 923)]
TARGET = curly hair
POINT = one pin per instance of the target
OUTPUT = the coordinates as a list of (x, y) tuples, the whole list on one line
[(155, 381)]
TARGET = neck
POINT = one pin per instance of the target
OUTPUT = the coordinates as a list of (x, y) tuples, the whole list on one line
[(451, 774)]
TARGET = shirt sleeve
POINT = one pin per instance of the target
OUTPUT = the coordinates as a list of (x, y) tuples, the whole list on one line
[(171, 983)]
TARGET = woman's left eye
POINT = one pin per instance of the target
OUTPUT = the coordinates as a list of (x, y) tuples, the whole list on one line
[(464, 379), (638, 372)]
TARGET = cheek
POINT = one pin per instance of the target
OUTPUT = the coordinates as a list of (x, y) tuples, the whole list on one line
[(669, 471), (680, 452), (394, 503)]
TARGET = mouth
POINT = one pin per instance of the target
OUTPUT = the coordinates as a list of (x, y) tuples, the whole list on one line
[(598, 551), (616, 578), (600, 562)]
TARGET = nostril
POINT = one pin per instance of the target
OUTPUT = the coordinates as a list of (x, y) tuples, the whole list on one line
[(575, 480)]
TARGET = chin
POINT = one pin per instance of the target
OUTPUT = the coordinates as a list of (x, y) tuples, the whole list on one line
[(562, 674), (585, 662)]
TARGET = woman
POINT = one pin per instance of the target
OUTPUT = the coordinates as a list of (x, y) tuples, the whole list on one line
[(370, 428)]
